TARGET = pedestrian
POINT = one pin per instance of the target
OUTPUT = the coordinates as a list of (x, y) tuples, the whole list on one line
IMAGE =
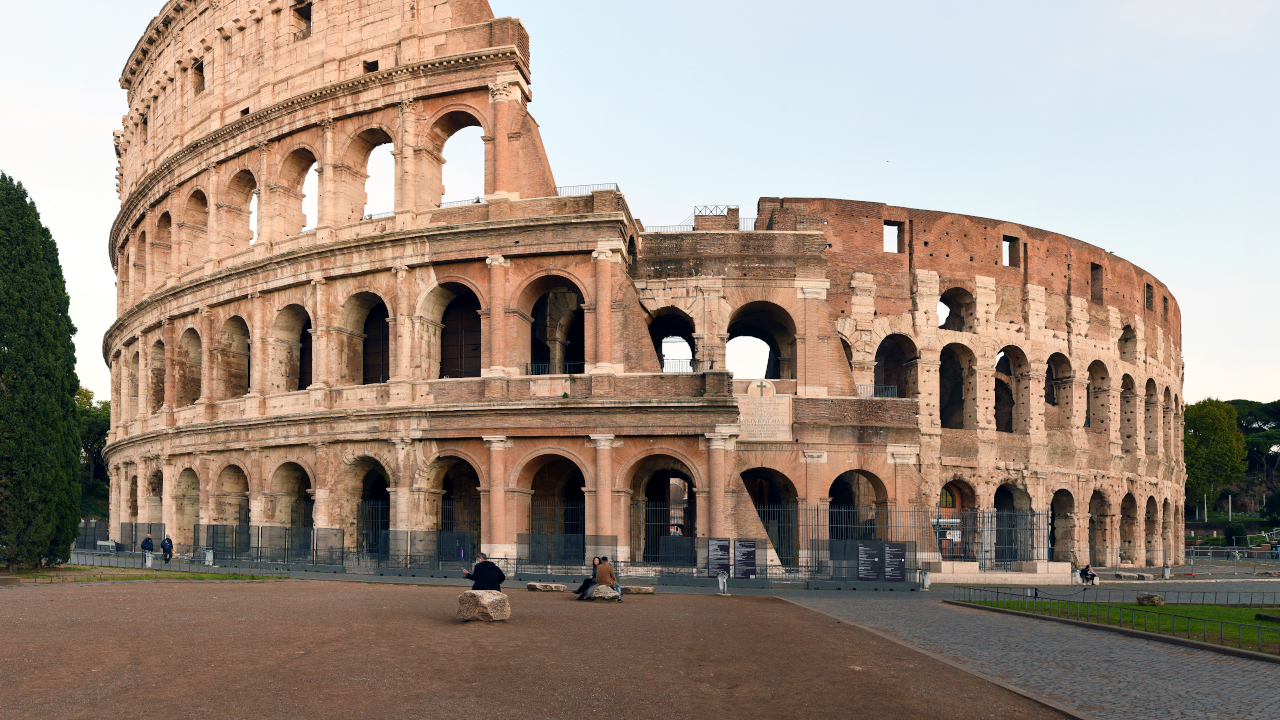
[(148, 548), (167, 546), (606, 576), (588, 582), (485, 575), (1088, 576)]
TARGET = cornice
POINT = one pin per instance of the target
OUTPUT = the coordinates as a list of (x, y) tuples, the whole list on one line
[(502, 55)]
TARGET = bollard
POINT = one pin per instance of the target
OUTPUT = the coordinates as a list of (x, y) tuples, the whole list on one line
[(924, 579), (146, 559), (208, 558), (1168, 571), (723, 579)]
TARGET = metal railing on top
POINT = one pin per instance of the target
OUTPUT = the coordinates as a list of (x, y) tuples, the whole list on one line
[(378, 216), (675, 365), (877, 391), (302, 34), (746, 224), (561, 368), (713, 209), (570, 190), (477, 200), (669, 228)]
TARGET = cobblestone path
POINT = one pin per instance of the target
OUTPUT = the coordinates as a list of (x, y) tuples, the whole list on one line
[(1106, 675)]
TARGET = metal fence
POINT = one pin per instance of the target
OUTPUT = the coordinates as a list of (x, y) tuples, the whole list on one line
[(877, 391), (132, 535), (469, 201), (561, 368), (93, 532), (677, 365), (1171, 597), (570, 190)]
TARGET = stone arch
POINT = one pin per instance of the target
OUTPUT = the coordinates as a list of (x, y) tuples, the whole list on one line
[(138, 264), (1059, 392), (1168, 526), (231, 360), (288, 500), (854, 498), (957, 388), (1167, 424), (1099, 528), (960, 308), (156, 361), (664, 512), (430, 479), (185, 497), (456, 335), (1098, 416), (896, 368), (1151, 419), (291, 357), (236, 208), (1015, 530), (442, 126), (187, 367), (364, 340), (1062, 528), (1152, 535), (161, 248), (1129, 529), (359, 501), (555, 337), (670, 322), (194, 228), (363, 141), (1130, 440), (1127, 345), (289, 196), (1012, 382), (773, 325), (229, 500), (131, 389), (554, 483), (774, 498)]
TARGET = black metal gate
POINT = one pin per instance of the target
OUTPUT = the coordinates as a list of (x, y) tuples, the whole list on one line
[(373, 527)]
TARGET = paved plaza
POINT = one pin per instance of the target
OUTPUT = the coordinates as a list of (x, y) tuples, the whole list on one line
[(1106, 675)]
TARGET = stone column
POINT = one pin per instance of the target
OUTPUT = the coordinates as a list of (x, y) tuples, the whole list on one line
[(403, 329), (405, 171), (716, 481), (320, 371), (326, 208), (320, 483), (207, 343), (143, 380), (497, 315), (212, 232), (499, 544), (170, 335), (604, 483), (500, 95), (602, 261)]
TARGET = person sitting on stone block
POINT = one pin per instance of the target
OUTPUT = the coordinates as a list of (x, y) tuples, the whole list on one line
[(605, 576), (486, 575), (1088, 576)]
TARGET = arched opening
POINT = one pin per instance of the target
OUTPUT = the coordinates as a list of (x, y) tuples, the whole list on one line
[(774, 497), (459, 535), (373, 512), (1058, 396), (460, 334), (957, 310), (1151, 419), (291, 490), (955, 525), (671, 332), (157, 363), (369, 176), (957, 394), (139, 264), (1152, 535), (1169, 450), (133, 499), (1099, 526), (186, 368), (298, 193), (1015, 526), (1128, 345), (895, 371), (664, 515), (161, 248), (364, 350), (124, 268), (1129, 438), (131, 396), (748, 358), (238, 206), (464, 177), (231, 501), (291, 351), (771, 325), (851, 515), (195, 219), (1012, 391), (556, 340), (1062, 528), (1099, 415), (1167, 526), (186, 509), (1129, 530), (231, 354), (557, 512)]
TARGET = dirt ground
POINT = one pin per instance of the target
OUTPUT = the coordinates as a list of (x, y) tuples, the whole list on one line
[(343, 649)]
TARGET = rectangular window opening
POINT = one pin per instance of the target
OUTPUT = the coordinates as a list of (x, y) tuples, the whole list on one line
[(1012, 251), (1095, 282), (244, 112), (197, 77), (371, 66), (1166, 307), (893, 237), (1151, 297), (142, 129), (302, 22)]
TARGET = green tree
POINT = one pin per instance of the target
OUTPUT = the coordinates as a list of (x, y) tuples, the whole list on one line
[(1260, 423), (39, 429), (95, 423), (1213, 447)]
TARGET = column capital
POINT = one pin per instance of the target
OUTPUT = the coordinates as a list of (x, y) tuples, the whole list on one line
[(497, 260), (497, 442), (601, 441)]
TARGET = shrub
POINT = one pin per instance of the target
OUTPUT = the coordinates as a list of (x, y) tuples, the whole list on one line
[(1235, 534)]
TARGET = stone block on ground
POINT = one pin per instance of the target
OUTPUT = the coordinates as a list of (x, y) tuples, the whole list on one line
[(545, 587), (636, 590), (1150, 600), (1268, 573), (11, 580), (602, 592), (1134, 576), (484, 605)]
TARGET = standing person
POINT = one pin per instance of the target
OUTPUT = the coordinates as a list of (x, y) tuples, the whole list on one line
[(588, 582), (485, 575), (148, 548), (606, 576), (167, 546)]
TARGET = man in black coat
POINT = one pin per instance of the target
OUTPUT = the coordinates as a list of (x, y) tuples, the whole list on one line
[(486, 575)]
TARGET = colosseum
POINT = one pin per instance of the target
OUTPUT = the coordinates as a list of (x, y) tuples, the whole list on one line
[(536, 374)]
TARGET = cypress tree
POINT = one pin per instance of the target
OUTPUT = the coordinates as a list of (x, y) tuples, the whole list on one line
[(39, 431)]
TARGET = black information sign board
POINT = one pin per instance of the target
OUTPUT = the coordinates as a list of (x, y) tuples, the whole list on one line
[(895, 562), (744, 559), (868, 560), (718, 559)]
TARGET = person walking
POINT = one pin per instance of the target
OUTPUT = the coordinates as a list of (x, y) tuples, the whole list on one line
[(588, 582), (485, 575), (148, 548), (167, 546), (606, 576)]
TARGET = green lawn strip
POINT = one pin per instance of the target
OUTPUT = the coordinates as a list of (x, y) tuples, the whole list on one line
[(1197, 622), (89, 573)]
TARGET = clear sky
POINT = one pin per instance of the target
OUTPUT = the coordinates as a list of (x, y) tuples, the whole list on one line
[(1146, 127)]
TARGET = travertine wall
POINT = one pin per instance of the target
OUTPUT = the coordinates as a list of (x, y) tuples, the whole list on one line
[(240, 359)]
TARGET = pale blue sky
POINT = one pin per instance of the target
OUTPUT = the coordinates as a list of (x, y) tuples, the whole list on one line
[(1145, 127)]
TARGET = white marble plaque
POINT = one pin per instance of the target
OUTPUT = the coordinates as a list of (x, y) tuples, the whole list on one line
[(765, 416)]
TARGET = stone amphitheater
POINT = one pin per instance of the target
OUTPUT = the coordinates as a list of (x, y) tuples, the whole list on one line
[(508, 368)]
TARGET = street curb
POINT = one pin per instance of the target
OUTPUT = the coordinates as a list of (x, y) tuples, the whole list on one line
[(1035, 697), (1141, 635)]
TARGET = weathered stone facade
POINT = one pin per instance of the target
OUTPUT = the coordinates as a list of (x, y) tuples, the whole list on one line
[(507, 352)]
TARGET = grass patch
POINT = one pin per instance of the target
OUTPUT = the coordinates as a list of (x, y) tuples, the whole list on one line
[(85, 573), (1206, 623)]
